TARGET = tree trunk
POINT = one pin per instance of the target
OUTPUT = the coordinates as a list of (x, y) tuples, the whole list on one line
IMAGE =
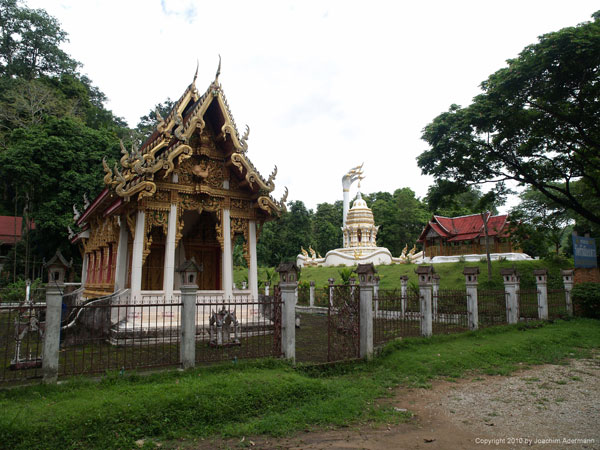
[(485, 216)]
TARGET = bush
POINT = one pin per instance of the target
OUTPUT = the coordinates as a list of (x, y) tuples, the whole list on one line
[(586, 300), (15, 292)]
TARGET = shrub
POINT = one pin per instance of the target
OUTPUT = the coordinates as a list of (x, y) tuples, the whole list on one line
[(15, 292), (586, 299), (345, 274)]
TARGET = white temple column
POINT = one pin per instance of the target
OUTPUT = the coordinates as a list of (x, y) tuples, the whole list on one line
[(169, 268), (227, 256), (346, 205), (253, 269), (84, 268), (121, 263), (138, 250)]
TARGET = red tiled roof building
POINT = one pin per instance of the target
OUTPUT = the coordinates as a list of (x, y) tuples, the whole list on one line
[(450, 236)]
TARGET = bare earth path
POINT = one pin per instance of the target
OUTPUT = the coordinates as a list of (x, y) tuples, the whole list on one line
[(546, 407)]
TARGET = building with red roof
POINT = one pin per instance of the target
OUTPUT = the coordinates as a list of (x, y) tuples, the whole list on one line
[(11, 232), (451, 236)]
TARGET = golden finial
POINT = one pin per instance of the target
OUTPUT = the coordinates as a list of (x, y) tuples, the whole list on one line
[(196, 74), (218, 71), (360, 178)]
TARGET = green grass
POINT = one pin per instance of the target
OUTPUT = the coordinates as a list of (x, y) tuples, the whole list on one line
[(269, 397), (451, 274)]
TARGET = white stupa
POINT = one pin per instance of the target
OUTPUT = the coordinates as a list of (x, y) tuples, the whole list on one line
[(359, 235)]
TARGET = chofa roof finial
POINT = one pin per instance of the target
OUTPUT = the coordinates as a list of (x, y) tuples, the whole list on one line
[(218, 71), (196, 74)]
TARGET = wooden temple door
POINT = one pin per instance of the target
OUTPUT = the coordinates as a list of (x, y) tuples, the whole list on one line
[(200, 242), (209, 258), (154, 267)]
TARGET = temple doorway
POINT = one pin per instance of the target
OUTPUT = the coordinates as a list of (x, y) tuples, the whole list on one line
[(200, 242), (154, 266)]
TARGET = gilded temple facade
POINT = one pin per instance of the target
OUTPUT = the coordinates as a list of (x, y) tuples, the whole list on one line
[(188, 192)]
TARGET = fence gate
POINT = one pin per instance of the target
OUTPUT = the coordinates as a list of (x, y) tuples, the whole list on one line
[(343, 330), (277, 310)]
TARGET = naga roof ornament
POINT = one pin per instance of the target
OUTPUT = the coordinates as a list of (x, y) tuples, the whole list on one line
[(136, 173)]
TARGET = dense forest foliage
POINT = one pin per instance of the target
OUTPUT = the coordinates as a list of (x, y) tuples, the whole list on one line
[(54, 132)]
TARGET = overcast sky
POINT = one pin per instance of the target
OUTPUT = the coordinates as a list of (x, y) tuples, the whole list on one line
[(323, 85)]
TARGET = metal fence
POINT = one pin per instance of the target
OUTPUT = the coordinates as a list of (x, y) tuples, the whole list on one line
[(239, 330), (343, 324), (491, 305), (21, 331), (557, 305), (303, 294), (396, 316), (113, 334), (528, 304), (322, 296), (450, 313), (110, 334)]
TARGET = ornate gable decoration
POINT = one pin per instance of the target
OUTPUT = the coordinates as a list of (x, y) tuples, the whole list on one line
[(173, 142)]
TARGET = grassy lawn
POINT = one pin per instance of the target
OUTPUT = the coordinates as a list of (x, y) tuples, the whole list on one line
[(451, 274), (268, 397)]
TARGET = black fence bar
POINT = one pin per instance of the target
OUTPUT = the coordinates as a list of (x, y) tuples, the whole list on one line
[(343, 324), (395, 316), (450, 314), (103, 336), (303, 294), (528, 304), (243, 329), (557, 304), (21, 342), (491, 306)]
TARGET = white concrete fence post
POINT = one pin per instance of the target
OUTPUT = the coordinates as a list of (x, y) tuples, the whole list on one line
[(425, 274), (288, 283), (511, 292), (187, 315), (352, 282), (267, 285), (331, 281), (57, 268), (366, 278), (568, 283), (541, 280), (312, 294), (435, 284), (471, 274), (51, 346), (376, 295), (404, 293)]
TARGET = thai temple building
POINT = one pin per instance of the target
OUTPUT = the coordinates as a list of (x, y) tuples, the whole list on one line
[(359, 235), (187, 192), (447, 239)]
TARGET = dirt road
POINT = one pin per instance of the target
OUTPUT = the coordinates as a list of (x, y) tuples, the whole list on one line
[(546, 407)]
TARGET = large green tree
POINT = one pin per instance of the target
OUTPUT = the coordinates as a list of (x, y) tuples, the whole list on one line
[(542, 223), (52, 165), (535, 123), (281, 239), (30, 43), (54, 130), (401, 217), (327, 226), (452, 200)]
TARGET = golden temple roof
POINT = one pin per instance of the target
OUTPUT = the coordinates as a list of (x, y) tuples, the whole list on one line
[(169, 143)]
